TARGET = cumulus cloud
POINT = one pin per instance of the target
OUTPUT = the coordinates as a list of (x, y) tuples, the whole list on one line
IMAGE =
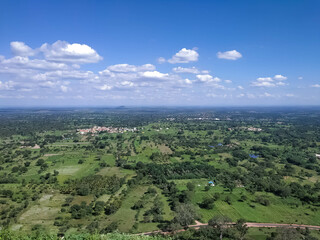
[(280, 77), (187, 81), (263, 84), (184, 56), (193, 70), (230, 55), (55, 69), (316, 86), (207, 78), (210, 81), (127, 84), (277, 80), (106, 72), (281, 84), (104, 87), (264, 79), (131, 68), (56, 75), (62, 51), (19, 62), (21, 49), (47, 68), (155, 75)]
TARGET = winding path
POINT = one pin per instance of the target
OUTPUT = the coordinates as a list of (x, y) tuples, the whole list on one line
[(249, 224)]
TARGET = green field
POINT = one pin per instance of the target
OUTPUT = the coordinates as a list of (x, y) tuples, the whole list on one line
[(87, 183)]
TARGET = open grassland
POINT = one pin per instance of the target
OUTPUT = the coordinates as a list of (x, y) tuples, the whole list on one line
[(278, 211)]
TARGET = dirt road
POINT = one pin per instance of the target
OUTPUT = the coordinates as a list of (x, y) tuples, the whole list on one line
[(249, 224)]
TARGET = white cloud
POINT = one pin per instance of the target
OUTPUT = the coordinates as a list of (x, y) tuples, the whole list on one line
[(264, 79), (57, 75), (316, 86), (230, 55), (47, 84), (188, 81), (64, 88), (207, 78), (62, 51), (161, 60), (270, 82), (281, 84), (106, 72), (127, 84), (104, 87), (19, 62), (21, 49), (131, 68), (218, 86), (193, 70), (155, 74), (263, 84), (184, 56), (240, 87), (9, 85), (280, 77), (228, 81), (183, 83), (300, 78), (211, 81)]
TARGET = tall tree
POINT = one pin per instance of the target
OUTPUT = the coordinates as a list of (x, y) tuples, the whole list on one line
[(221, 223)]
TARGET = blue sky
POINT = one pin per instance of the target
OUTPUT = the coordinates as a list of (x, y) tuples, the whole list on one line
[(165, 52)]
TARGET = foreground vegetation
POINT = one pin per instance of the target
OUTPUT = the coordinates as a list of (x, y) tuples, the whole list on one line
[(262, 163), (8, 235)]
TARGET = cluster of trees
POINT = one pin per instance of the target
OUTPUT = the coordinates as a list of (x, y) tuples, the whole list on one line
[(7, 178), (154, 214), (42, 164), (94, 184), (186, 170), (158, 157)]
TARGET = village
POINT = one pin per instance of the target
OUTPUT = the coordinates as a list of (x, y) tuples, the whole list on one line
[(97, 129), (250, 129)]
